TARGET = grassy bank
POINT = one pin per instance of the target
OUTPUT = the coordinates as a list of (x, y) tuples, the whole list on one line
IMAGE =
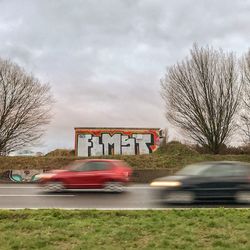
[(152, 161), (173, 156), (173, 229)]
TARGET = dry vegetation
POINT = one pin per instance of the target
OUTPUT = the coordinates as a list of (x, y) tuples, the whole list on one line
[(173, 155)]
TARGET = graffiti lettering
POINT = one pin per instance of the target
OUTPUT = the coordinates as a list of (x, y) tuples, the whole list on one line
[(128, 145), (107, 144), (143, 141)]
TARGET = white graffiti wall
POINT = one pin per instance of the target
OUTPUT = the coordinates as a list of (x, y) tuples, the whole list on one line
[(117, 142)]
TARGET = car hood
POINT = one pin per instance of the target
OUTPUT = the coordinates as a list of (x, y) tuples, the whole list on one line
[(57, 171)]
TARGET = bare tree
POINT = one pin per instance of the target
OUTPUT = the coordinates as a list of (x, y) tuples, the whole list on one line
[(245, 116), (202, 96), (25, 106)]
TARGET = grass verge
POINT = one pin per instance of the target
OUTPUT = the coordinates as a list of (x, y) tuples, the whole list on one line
[(171, 229)]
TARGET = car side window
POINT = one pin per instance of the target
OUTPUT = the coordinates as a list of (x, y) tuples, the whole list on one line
[(225, 170), (80, 167), (239, 170), (95, 166), (209, 171)]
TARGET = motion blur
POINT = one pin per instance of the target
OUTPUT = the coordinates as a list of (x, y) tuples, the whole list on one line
[(206, 182), (109, 175)]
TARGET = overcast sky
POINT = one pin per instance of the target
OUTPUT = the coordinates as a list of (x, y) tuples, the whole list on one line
[(104, 58)]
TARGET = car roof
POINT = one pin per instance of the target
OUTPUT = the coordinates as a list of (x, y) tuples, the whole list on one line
[(106, 160), (222, 162)]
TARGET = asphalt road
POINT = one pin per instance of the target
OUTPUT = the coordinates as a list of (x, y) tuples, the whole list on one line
[(17, 196)]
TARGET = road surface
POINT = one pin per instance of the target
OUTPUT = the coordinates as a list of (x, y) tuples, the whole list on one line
[(18, 196)]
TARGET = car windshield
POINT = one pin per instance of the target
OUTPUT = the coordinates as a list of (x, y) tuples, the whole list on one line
[(89, 166), (75, 165), (194, 170)]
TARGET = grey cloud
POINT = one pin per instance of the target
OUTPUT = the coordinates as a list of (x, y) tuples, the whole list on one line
[(104, 59)]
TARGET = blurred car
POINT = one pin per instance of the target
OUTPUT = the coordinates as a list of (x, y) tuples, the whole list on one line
[(110, 175), (209, 181)]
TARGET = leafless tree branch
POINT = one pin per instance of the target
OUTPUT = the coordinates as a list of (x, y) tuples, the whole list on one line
[(245, 116), (202, 96), (25, 106)]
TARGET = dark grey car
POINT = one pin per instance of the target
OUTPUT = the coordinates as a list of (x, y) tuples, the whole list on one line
[(208, 181)]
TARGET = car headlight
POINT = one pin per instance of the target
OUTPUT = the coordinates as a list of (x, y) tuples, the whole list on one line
[(165, 184)]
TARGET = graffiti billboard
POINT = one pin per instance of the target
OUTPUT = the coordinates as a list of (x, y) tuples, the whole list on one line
[(116, 141)]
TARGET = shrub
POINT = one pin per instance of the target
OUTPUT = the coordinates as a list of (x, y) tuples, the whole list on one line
[(176, 148), (61, 152)]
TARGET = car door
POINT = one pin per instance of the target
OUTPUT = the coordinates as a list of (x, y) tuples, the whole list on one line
[(221, 180)]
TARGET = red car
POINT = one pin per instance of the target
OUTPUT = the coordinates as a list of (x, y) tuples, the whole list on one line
[(110, 175)]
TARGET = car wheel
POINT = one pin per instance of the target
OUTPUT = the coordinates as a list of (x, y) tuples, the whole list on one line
[(116, 187), (54, 187), (179, 197), (243, 197)]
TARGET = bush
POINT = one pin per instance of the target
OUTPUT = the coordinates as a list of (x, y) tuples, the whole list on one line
[(176, 148), (172, 155), (61, 152), (225, 150)]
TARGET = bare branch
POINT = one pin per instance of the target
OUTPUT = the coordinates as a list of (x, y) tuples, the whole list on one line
[(202, 96), (25, 106)]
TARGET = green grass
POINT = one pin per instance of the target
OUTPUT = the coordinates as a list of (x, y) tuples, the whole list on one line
[(170, 229)]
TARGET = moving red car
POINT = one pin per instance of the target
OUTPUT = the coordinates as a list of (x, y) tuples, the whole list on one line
[(110, 175)]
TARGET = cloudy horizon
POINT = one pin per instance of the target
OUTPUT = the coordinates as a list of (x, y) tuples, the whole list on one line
[(104, 59)]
